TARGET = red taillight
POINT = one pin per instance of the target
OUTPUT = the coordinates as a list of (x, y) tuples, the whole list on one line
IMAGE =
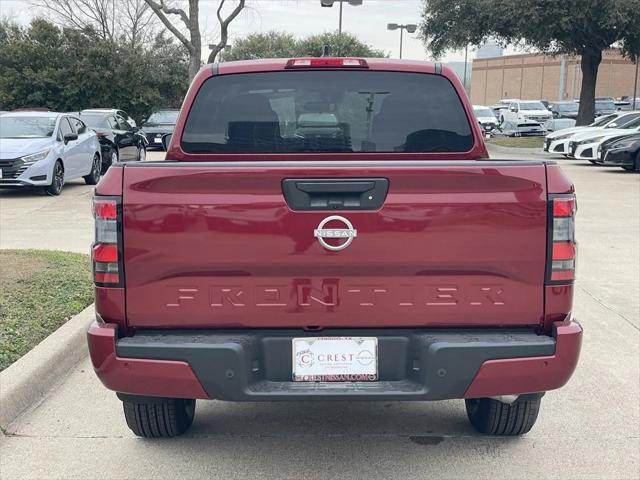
[(105, 209), (327, 62), (564, 207), (562, 248), (105, 254)]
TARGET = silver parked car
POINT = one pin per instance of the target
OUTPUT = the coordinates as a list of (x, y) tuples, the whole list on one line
[(45, 149)]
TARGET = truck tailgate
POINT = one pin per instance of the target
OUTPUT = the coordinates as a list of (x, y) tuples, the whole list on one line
[(217, 245)]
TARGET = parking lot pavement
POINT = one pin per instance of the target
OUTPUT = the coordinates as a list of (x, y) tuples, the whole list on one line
[(31, 219), (589, 429)]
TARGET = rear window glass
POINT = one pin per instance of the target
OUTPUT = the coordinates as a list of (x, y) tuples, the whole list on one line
[(327, 111), (96, 121)]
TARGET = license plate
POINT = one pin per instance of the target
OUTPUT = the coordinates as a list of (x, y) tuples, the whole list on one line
[(157, 140), (335, 359)]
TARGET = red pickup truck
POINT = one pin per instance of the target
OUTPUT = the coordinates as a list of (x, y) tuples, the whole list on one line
[(332, 229)]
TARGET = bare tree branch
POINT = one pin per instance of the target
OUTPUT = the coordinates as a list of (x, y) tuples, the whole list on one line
[(110, 19), (137, 22), (224, 28), (161, 10)]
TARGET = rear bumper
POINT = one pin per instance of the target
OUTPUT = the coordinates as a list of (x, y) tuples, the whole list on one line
[(151, 138), (255, 365)]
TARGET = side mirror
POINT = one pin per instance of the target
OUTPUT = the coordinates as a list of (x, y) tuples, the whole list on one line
[(135, 129), (70, 137), (166, 141), (555, 114), (144, 120)]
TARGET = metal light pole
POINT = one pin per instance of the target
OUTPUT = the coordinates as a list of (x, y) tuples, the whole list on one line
[(466, 56), (409, 27), (329, 4), (635, 85)]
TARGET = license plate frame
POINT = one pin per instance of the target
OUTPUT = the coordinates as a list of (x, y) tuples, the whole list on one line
[(334, 359)]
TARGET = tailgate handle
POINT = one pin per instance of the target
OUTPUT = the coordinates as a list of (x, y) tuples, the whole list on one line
[(335, 194)]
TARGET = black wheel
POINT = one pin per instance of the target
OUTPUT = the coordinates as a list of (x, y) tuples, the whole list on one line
[(96, 169), (142, 153), (57, 180), (493, 417), (159, 417)]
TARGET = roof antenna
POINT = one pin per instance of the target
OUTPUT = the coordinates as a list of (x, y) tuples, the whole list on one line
[(326, 51)]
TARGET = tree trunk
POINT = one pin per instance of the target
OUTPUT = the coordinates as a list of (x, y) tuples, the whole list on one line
[(195, 56), (213, 54), (194, 62), (589, 65)]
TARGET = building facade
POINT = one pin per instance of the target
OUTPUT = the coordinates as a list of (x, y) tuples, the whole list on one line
[(543, 77)]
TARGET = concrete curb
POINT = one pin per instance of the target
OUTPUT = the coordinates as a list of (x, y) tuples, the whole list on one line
[(26, 382)]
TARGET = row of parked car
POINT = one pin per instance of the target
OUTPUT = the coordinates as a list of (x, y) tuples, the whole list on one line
[(612, 140), (39, 148), (515, 117)]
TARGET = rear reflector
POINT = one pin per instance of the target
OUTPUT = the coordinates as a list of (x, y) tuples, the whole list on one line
[(564, 250), (105, 253), (561, 260), (101, 277), (327, 62)]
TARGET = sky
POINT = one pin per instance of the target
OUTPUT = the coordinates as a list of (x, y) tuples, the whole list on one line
[(301, 17)]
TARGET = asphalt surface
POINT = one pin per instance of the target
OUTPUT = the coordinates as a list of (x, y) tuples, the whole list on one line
[(31, 219), (588, 429)]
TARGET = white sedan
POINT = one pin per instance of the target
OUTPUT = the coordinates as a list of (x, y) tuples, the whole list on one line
[(45, 149), (584, 146), (558, 141)]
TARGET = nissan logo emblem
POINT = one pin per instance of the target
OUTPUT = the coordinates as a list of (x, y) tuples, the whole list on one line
[(348, 233)]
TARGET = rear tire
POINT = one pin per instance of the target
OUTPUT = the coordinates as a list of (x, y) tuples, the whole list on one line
[(493, 417), (96, 168), (142, 153), (161, 417)]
